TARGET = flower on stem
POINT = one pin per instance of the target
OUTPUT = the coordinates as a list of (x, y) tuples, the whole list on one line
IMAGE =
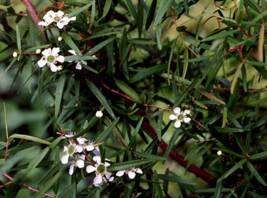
[(79, 63), (59, 38), (100, 169), (57, 17), (15, 54), (180, 117), (81, 140), (70, 151), (78, 162), (130, 172), (99, 114), (38, 51), (50, 57)]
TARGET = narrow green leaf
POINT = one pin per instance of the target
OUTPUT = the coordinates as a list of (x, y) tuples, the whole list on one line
[(18, 39), (258, 156), (149, 156), (93, 13), (170, 59), (129, 91), (99, 46), (158, 34), (147, 72), (76, 12), (90, 124), (9, 66), (32, 29), (172, 141), (103, 136), (233, 169), (50, 173), (138, 126), (218, 190), (243, 184), (200, 104), (47, 186), (175, 179), (70, 43), (228, 130), (124, 54), (150, 14), (256, 174), (140, 18), (101, 98), (32, 49), (79, 57), (186, 57), (28, 137), (59, 93), (224, 117), (68, 191), (159, 125), (237, 73), (129, 164), (37, 160), (163, 8), (131, 9)]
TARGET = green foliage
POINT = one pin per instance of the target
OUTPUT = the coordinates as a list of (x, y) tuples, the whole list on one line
[(192, 93)]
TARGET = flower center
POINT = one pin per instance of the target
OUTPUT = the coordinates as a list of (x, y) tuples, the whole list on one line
[(51, 59), (71, 150), (101, 168), (180, 117), (57, 18)]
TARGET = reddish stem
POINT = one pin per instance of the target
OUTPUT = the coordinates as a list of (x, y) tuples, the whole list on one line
[(25, 186), (178, 158), (249, 89)]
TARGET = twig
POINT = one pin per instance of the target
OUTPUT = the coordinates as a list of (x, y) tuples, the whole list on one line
[(26, 186), (178, 158), (18, 14), (249, 89), (36, 19), (174, 19), (216, 13)]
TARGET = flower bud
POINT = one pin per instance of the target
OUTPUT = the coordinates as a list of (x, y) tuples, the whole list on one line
[(59, 68), (15, 54), (99, 114), (219, 153), (59, 38), (38, 51)]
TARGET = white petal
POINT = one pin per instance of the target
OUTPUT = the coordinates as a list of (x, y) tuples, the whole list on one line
[(65, 149), (90, 148), (138, 170), (42, 23), (80, 163), (41, 62), (78, 66), (108, 174), (131, 175), (81, 140), (79, 148), (65, 159), (177, 124), (107, 164), (71, 169), (82, 157), (65, 20), (90, 169), (60, 13), (60, 25), (186, 120), (96, 151), (53, 68), (120, 173), (60, 59), (72, 52), (111, 179), (73, 18), (97, 159), (173, 117), (51, 13), (98, 180), (186, 112), (84, 62), (177, 110), (47, 52), (55, 51)]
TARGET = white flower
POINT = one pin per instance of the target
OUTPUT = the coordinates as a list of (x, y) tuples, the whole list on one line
[(79, 63), (180, 117), (38, 51), (219, 153), (79, 162), (59, 38), (99, 114), (131, 172), (70, 151), (100, 170), (50, 57), (69, 135), (57, 17), (15, 54)]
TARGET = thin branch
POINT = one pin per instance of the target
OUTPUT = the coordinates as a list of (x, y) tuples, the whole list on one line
[(26, 186), (178, 158), (32, 10), (249, 89), (18, 14)]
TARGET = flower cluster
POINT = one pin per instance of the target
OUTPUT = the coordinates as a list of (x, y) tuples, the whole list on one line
[(56, 17), (180, 117), (76, 153)]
